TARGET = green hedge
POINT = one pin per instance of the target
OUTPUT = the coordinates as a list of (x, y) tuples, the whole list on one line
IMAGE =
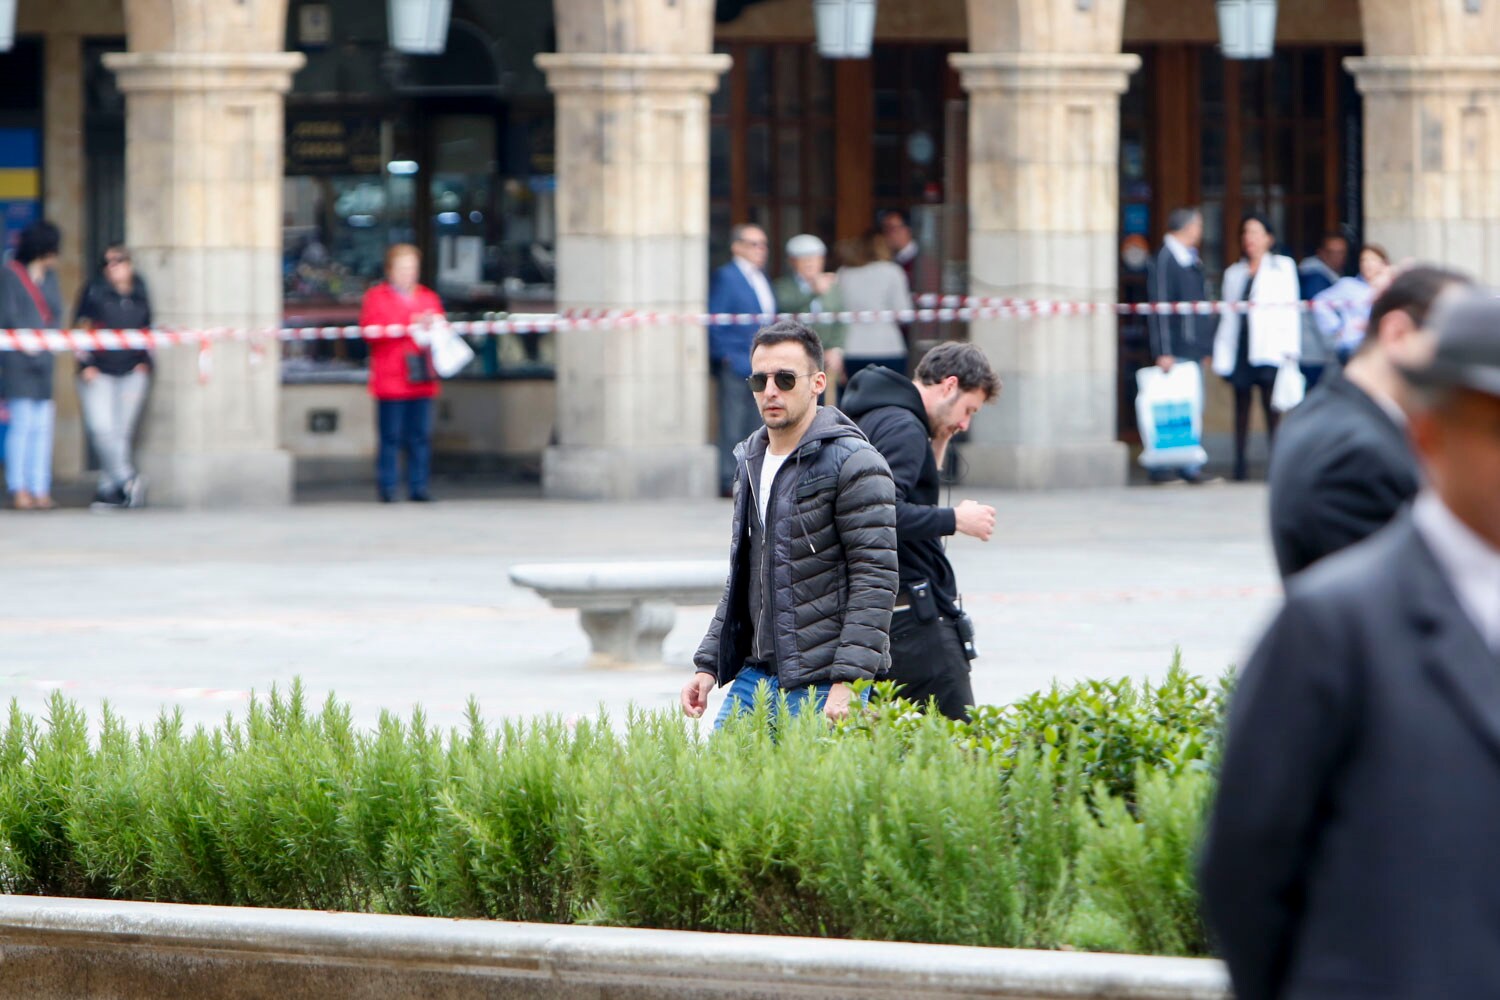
[(1066, 820)]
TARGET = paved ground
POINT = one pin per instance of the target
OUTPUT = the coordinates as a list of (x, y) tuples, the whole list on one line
[(389, 606)]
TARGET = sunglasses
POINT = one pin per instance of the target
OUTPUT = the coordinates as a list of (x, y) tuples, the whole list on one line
[(785, 381), (112, 261)]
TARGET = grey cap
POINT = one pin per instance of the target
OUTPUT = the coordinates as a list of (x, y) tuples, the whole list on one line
[(806, 245), (1468, 347)]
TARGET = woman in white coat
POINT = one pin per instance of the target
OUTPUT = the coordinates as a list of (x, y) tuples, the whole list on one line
[(1250, 347)]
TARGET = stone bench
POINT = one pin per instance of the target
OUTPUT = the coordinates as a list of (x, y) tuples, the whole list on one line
[(627, 609)]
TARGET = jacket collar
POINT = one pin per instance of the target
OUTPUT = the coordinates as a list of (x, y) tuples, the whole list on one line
[(1454, 655), (827, 425), (1342, 387)]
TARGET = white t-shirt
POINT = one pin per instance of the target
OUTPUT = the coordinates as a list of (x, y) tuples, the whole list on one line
[(768, 470)]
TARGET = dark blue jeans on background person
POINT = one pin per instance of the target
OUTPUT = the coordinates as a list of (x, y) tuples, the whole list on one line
[(738, 419), (741, 695), (405, 425)]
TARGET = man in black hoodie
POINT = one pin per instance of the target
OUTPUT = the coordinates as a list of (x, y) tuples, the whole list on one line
[(910, 422)]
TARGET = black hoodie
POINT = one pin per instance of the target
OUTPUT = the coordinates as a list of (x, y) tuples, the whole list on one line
[(889, 409)]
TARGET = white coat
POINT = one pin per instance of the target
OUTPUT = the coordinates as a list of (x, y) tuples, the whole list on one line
[(1275, 332)]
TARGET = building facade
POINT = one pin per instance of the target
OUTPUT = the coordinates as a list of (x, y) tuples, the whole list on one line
[(593, 154)]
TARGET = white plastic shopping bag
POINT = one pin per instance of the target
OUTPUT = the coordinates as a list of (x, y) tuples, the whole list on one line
[(1290, 386), (450, 352), (1169, 411)]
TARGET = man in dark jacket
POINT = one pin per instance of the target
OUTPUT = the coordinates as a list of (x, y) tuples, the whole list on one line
[(1177, 276), (740, 287), (910, 422), (1351, 850), (812, 560), (113, 383), (1342, 466)]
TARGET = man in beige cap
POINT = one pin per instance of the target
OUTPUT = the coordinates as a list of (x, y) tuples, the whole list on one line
[(1352, 849), (811, 289)]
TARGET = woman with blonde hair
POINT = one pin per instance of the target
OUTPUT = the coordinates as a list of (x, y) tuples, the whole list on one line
[(870, 280), (402, 378)]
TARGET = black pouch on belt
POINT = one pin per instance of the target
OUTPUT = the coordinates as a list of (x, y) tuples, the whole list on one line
[(923, 604)]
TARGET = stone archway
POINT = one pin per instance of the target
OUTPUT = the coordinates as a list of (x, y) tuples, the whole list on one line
[(205, 84), (1431, 84), (632, 80)]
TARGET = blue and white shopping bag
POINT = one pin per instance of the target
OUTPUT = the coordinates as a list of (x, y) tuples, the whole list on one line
[(1169, 410)]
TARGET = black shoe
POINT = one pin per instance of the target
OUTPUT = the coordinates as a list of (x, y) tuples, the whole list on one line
[(422, 497), (386, 496), (1202, 479)]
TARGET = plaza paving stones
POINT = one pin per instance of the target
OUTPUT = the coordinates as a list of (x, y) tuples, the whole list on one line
[(389, 606)]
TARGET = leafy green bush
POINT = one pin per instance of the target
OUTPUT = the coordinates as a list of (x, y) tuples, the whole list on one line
[(1066, 820)]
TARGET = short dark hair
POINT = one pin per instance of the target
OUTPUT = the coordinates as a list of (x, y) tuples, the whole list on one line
[(1264, 221), (966, 362), (738, 232), (896, 213), (38, 240), (789, 330), (1412, 292), (1178, 218)]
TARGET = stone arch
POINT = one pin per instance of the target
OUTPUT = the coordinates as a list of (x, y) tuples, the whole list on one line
[(200, 26), (1430, 28), (635, 27), (1045, 26)]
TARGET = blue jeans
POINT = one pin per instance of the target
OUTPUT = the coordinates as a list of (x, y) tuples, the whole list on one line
[(405, 425), (741, 696), (738, 419), (28, 447)]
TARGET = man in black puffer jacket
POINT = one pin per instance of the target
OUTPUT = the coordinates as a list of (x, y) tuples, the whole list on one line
[(807, 606), (910, 422)]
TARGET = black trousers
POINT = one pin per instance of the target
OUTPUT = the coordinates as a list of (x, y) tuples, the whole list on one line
[(928, 661), (1262, 377)]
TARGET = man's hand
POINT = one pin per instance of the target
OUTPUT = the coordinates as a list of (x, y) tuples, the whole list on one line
[(141, 369), (88, 374), (824, 281), (836, 706), (1165, 362), (695, 695), (974, 519)]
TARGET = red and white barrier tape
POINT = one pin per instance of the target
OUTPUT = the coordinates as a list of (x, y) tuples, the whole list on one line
[(939, 309)]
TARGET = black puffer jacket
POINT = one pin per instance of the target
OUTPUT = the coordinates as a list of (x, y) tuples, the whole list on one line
[(832, 520)]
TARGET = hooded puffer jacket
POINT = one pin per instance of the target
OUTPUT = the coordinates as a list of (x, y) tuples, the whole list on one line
[(832, 518)]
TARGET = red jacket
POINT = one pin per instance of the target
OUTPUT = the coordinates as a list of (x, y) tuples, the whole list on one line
[(384, 306)]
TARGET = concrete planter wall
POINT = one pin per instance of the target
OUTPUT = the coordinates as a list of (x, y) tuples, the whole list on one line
[(56, 948)]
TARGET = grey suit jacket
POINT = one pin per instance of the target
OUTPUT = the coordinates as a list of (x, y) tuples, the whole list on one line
[(1354, 848)]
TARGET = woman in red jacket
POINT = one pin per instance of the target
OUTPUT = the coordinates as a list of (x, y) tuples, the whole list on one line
[(401, 376)]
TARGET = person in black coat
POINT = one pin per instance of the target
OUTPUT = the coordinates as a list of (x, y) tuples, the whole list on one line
[(910, 422), (1176, 275), (1352, 846), (1342, 466)]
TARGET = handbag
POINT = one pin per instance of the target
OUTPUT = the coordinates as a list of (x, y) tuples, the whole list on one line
[(1289, 388), (1169, 413), (419, 368)]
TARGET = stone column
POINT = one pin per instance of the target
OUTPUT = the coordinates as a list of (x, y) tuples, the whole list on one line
[(1043, 208), (632, 220), (1432, 157), (204, 140), (66, 205)]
